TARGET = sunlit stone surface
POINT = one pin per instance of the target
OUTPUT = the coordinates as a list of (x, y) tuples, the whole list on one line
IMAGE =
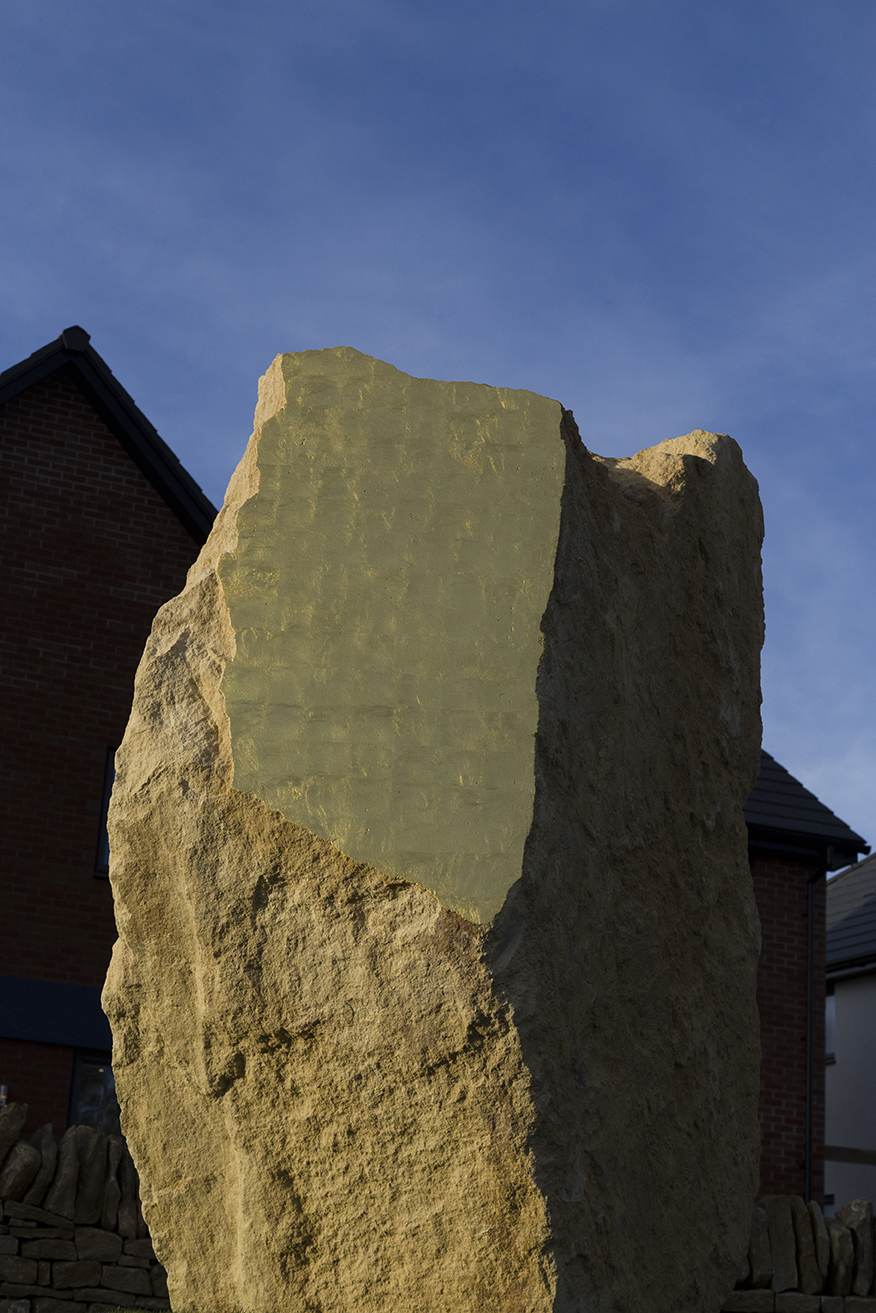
[(435, 980)]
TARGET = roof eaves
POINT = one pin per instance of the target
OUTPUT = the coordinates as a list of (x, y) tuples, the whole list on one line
[(865, 965), (784, 816)]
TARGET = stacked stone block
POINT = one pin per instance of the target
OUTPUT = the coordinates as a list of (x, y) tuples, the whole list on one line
[(72, 1235), (800, 1261)]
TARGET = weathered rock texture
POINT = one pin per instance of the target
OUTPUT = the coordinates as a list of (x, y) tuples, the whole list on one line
[(341, 1093)]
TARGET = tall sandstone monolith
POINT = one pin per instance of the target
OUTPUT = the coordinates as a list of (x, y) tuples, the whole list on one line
[(435, 981)]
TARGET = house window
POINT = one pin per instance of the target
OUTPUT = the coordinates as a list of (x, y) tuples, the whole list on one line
[(830, 1025), (93, 1099), (101, 861)]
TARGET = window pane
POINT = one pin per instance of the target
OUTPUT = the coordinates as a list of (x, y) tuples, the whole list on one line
[(94, 1100), (101, 861)]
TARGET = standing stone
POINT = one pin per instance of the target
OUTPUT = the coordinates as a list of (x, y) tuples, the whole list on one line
[(822, 1240), (783, 1244), (112, 1191), (437, 954), (21, 1166), (61, 1195), (809, 1278), (44, 1141), (759, 1256), (858, 1217), (91, 1148), (12, 1118), (842, 1257)]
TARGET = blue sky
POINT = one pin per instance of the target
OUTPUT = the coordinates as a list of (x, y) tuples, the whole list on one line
[(660, 212)]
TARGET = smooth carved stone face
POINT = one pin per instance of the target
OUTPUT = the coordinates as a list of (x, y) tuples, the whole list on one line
[(386, 595)]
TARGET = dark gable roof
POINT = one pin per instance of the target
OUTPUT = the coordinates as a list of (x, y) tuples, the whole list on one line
[(851, 920), (782, 816), (116, 408)]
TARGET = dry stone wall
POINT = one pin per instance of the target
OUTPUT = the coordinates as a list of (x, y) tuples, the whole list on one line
[(72, 1235), (800, 1261)]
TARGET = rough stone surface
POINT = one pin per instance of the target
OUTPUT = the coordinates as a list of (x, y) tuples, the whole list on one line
[(92, 1242), (21, 1166), (759, 1257), (372, 1100), (44, 1141), (842, 1257), (822, 1240), (30, 1213), (91, 1148), (21, 1270), (77, 1273), (749, 1301), (60, 1197), (783, 1245), (132, 1279), (112, 1191), (858, 1217), (140, 1248), (119, 1298), (126, 1223), (14, 1290), (54, 1249), (12, 1118), (809, 1278), (795, 1301)]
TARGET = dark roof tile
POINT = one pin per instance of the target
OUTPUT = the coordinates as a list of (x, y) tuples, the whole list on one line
[(851, 916), (781, 809)]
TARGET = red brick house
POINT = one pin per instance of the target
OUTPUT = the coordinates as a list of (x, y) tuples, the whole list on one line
[(793, 841), (99, 524)]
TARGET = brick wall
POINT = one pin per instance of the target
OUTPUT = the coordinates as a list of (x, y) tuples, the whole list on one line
[(780, 889), (38, 1075), (90, 552)]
